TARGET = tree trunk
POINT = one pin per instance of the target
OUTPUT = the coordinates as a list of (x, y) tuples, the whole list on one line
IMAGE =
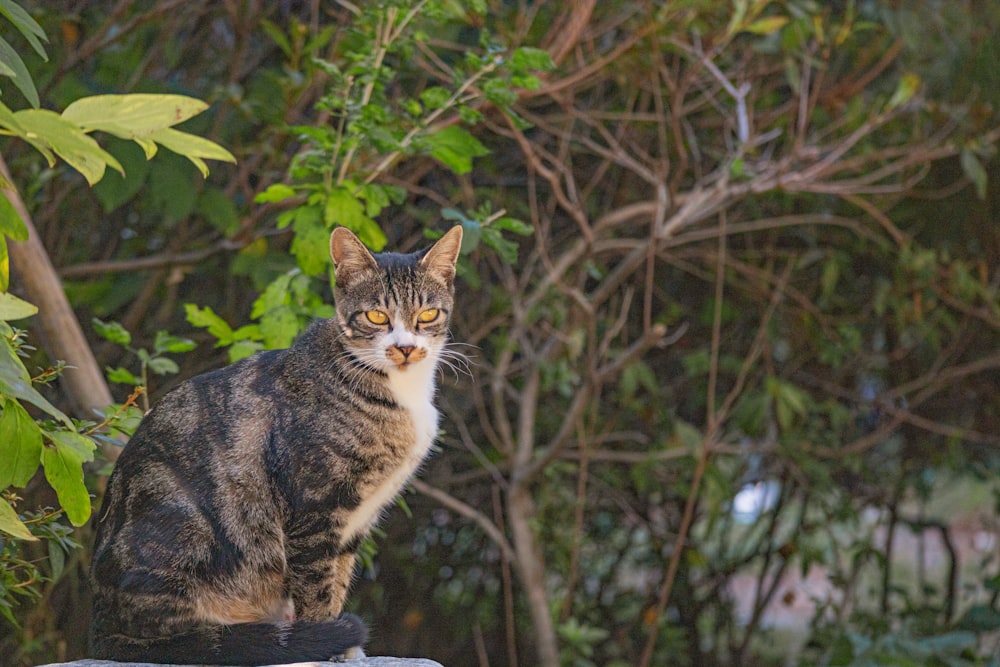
[(530, 568), (61, 334)]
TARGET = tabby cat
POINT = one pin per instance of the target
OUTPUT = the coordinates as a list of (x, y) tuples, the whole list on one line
[(229, 531)]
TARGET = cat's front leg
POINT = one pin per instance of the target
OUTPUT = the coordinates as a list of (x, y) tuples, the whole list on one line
[(319, 588)]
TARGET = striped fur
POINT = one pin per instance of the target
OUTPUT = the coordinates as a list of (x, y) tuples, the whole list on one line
[(231, 522)]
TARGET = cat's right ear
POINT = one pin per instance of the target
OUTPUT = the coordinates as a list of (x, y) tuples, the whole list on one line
[(350, 256)]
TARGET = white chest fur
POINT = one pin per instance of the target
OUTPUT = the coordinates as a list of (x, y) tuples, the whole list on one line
[(413, 390)]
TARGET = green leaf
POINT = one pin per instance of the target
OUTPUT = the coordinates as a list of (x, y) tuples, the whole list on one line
[(121, 375), (163, 366), (115, 192), (435, 97), (376, 198), (4, 265), (472, 233), (789, 401), (242, 349), (193, 147), (498, 92), (171, 188), (277, 36), (11, 222), (63, 462), (165, 342), (132, 116), (57, 559), (767, 26), (219, 210), (908, 86), (26, 25), (81, 446), (311, 245), (48, 132), (112, 331), (279, 326), (16, 383), (11, 524), (206, 318), (12, 62), (274, 295), (975, 172), (343, 208), (20, 445), (274, 193), (514, 225), (505, 248), (13, 308), (455, 148), (529, 58)]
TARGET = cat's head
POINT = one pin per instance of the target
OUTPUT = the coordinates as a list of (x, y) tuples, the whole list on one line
[(394, 308)]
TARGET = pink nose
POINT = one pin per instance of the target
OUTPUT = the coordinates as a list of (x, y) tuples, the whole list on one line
[(407, 350)]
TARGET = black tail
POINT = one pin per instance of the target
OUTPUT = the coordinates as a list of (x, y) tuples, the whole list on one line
[(241, 644)]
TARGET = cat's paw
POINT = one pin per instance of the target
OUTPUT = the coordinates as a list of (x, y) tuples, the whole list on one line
[(350, 654)]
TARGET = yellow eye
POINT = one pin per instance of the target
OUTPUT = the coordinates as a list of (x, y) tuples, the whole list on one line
[(377, 317), (428, 315)]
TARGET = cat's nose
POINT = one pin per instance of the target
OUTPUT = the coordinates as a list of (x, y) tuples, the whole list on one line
[(407, 350)]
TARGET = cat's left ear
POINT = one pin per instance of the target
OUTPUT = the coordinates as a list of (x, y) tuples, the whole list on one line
[(440, 259), (350, 256)]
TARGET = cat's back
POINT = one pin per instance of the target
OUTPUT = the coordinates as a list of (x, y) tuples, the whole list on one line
[(201, 443), (205, 410)]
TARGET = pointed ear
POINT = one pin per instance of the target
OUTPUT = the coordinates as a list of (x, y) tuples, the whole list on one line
[(350, 256), (440, 259)]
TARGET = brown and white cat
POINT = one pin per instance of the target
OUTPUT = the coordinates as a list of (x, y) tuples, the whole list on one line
[(229, 531)]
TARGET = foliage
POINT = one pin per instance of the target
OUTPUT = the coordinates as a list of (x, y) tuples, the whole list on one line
[(154, 360), (729, 292), (57, 444), (364, 131)]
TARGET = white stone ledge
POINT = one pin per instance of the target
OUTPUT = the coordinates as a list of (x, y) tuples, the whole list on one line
[(360, 662)]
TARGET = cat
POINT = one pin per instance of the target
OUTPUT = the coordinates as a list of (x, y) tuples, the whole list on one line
[(232, 519)]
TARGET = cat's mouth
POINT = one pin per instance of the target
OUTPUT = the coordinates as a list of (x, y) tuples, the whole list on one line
[(404, 356)]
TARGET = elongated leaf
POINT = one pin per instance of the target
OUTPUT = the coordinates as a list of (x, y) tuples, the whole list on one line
[(767, 26), (165, 342), (4, 265), (9, 121), (26, 25), (192, 147), (64, 471), (148, 147), (132, 116), (12, 525), (69, 142), (13, 308), (20, 445), (57, 560), (11, 223), (975, 172), (16, 383), (908, 86), (21, 78)]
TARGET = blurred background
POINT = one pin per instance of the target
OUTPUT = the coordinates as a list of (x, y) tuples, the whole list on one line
[(728, 306)]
